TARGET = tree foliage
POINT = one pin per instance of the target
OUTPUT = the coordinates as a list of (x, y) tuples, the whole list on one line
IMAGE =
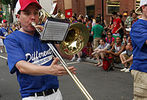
[(12, 4)]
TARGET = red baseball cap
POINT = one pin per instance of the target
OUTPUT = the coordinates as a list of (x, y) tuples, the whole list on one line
[(4, 21), (22, 4)]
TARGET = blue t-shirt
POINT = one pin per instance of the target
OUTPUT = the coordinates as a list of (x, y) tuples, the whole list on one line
[(22, 46), (3, 32), (139, 36)]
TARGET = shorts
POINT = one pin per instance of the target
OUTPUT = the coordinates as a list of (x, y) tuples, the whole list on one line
[(140, 85)]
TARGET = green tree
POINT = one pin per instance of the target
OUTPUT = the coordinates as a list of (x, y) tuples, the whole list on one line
[(12, 4)]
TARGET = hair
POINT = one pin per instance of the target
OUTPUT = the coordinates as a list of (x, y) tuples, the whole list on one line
[(74, 17), (109, 31), (120, 16), (19, 12), (74, 14), (81, 16), (103, 40), (114, 13), (98, 19), (99, 15)]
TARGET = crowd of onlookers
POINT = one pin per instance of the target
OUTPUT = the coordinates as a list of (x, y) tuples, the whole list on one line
[(5, 30), (106, 39), (109, 41)]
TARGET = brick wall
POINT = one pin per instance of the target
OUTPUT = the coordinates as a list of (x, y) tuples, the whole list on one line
[(60, 6), (127, 5), (78, 7), (98, 6)]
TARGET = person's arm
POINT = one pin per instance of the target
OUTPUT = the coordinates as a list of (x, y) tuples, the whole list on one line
[(120, 51), (128, 60), (91, 32), (119, 27), (2, 37), (105, 48), (32, 69), (110, 51), (112, 43), (146, 42), (106, 26), (126, 21), (17, 61)]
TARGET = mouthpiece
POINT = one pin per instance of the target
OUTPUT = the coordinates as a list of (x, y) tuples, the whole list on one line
[(33, 24), (38, 28)]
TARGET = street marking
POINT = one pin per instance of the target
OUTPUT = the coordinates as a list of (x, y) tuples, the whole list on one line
[(3, 57), (70, 63)]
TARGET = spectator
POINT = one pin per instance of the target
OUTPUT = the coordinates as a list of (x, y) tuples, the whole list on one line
[(4, 29), (1, 45), (116, 50), (74, 19), (126, 57), (79, 54), (110, 39), (97, 32), (117, 25), (13, 28), (93, 22), (3, 34), (81, 18), (134, 16), (110, 23), (99, 51), (128, 21), (126, 37), (88, 23), (121, 31)]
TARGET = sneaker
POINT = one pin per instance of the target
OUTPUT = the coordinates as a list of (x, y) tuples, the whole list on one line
[(73, 58), (127, 70), (122, 70), (79, 59)]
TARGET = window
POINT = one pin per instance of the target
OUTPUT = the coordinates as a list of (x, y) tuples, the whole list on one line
[(113, 6), (90, 11), (137, 3)]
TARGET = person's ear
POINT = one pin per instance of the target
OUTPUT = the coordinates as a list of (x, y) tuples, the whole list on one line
[(143, 7), (17, 16)]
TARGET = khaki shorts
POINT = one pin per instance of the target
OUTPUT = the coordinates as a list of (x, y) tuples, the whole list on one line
[(140, 85), (96, 43)]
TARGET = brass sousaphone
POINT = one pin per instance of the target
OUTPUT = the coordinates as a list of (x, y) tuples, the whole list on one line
[(77, 37)]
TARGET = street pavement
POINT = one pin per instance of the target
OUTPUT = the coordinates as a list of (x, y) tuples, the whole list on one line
[(102, 85)]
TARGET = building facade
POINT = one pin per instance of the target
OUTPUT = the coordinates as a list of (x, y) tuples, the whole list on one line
[(95, 7)]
